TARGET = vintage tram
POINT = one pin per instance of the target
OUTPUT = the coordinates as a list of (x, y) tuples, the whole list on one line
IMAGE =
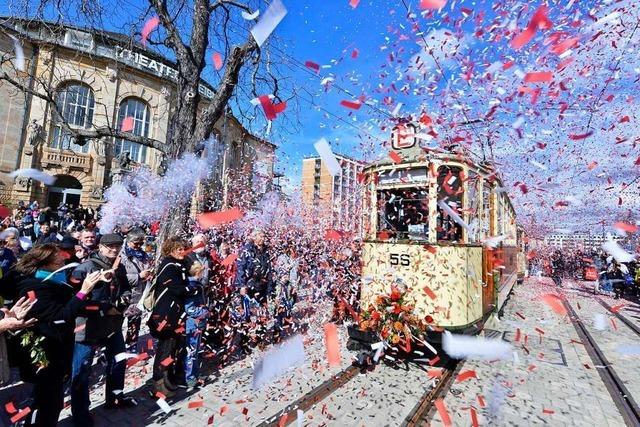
[(441, 226)]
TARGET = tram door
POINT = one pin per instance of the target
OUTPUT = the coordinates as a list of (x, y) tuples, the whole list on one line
[(488, 288)]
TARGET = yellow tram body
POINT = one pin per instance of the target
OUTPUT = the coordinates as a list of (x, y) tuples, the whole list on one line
[(456, 280)]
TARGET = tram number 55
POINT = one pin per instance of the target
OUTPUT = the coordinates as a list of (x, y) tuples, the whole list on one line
[(399, 259)]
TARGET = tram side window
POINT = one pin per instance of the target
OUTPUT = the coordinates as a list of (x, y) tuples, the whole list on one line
[(450, 191), (474, 211), (403, 213)]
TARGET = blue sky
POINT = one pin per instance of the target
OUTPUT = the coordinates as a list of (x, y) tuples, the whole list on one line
[(482, 73)]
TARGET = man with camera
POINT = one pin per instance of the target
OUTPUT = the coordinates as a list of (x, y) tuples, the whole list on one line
[(101, 327)]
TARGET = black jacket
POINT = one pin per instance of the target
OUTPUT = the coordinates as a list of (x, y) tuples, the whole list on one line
[(254, 268), (171, 290), (98, 325), (56, 311)]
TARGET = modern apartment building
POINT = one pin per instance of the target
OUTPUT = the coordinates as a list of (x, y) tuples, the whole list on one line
[(338, 196)]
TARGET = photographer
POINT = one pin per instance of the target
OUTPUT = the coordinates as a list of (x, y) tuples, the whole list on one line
[(101, 327)]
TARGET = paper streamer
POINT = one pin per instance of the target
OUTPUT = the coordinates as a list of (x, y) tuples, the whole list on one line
[(19, 61), (269, 21), (36, 174), (277, 361), (445, 207), (324, 150), (332, 344)]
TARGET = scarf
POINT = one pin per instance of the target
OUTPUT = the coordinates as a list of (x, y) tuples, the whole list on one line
[(139, 254), (59, 278)]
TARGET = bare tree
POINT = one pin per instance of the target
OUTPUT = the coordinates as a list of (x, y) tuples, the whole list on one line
[(189, 31)]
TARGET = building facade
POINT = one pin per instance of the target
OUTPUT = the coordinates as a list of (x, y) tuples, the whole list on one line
[(577, 240), (340, 195), (98, 79)]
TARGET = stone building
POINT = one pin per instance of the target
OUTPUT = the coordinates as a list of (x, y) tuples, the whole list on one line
[(100, 79)]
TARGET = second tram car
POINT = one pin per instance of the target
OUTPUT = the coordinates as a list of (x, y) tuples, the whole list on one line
[(441, 226)]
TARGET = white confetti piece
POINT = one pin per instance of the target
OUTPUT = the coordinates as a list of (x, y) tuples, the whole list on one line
[(300, 418), (164, 405), (628, 349), (250, 16), (36, 174), (449, 211), (269, 21), (324, 150), (19, 61), (123, 356), (615, 250), (463, 346), (493, 242), (600, 322), (277, 361)]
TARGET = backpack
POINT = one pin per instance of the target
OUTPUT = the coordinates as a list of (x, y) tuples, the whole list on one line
[(149, 296)]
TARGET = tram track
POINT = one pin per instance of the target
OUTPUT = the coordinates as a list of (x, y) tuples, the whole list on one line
[(318, 394), (419, 415), (619, 393), (633, 326)]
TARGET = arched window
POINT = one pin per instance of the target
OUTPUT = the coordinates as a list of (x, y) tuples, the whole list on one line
[(75, 104), (138, 113)]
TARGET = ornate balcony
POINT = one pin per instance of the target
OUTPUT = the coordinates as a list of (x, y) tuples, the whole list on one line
[(67, 160)]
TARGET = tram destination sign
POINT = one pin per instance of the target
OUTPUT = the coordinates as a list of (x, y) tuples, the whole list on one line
[(402, 176)]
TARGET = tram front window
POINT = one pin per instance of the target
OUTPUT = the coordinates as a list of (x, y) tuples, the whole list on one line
[(403, 213)]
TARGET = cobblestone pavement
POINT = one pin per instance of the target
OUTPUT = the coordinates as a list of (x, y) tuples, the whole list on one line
[(550, 380), (553, 381)]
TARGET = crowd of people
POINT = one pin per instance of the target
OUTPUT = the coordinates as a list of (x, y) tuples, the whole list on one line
[(72, 294), (619, 279)]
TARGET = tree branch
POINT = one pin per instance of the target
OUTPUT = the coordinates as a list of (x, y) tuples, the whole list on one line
[(183, 55), (214, 110), (200, 33), (219, 3)]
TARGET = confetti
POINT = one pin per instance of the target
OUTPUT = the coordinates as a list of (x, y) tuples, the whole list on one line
[(332, 344), (19, 61), (555, 303), (466, 375), (354, 3), (250, 16), (196, 404), (442, 410), (151, 24), (324, 150), (36, 174), (208, 220), (268, 22), (127, 124), (432, 4), (350, 104), (217, 61)]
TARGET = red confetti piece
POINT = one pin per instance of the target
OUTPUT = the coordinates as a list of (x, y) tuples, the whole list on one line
[(354, 3), (355, 53), (127, 124), (312, 65), (539, 21), (395, 157), (217, 61), (160, 395), (565, 45), (427, 290), (332, 344), (474, 417), (230, 260), (271, 110), (592, 165), (196, 404), (211, 219), (31, 295), (531, 368), (4, 211), (245, 411), (283, 420), (162, 325), (538, 77), (613, 323), (434, 373), (520, 315), (442, 410), (629, 228), (198, 246), (617, 308), (167, 361), (79, 328), (555, 303), (432, 4), (434, 360), (351, 105), (466, 375), (481, 401), (20, 415), (431, 249), (332, 235), (223, 410), (548, 411), (10, 408), (210, 421), (577, 137), (149, 26), (517, 338)]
